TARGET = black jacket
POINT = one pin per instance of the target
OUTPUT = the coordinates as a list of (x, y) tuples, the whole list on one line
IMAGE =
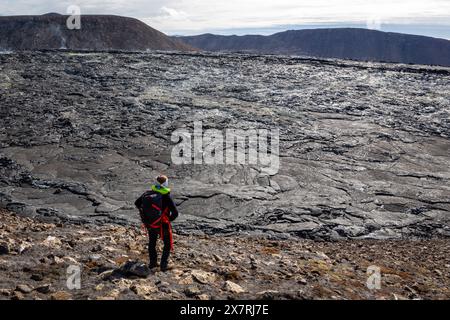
[(167, 202)]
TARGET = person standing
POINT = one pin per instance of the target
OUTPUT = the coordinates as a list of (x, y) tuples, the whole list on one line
[(157, 210)]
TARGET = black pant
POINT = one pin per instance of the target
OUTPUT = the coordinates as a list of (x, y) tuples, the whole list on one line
[(153, 237)]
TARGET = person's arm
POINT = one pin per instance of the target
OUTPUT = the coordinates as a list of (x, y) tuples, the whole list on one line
[(138, 203), (173, 209)]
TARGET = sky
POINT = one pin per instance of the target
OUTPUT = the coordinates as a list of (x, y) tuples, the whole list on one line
[(190, 17)]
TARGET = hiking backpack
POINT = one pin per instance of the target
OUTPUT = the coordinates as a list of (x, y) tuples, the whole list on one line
[(151, 207)]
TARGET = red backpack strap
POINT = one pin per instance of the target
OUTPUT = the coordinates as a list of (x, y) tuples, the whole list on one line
[(156, 224), (165, 220), (156, 207)]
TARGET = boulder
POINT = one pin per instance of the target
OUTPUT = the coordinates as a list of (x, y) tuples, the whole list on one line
[(4, 248), (192, 291), (233, 287), (143, 289), (134, 269), (24, 288), (5, 292), (52, 241), (17, 295), (37, 277), (267, 294), (46, 288), (203, 277), (61, 295)]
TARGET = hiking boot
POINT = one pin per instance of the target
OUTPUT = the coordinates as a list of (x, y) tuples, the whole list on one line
[(165, 268), (153, 265)]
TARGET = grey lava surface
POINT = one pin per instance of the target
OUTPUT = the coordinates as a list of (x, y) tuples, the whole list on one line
[(364, 149)]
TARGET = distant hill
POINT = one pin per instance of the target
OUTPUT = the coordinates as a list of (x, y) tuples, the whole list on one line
[(98, 32), (341, 43)]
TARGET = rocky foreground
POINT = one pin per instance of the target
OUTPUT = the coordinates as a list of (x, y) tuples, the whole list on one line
[(34, 257)]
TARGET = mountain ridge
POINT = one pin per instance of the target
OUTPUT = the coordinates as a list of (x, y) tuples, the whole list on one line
[(340, 43), (98, 32)]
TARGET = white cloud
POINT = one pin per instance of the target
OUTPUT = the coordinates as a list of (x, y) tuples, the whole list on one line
[(206, 14), (173, 14), (178, 16)]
